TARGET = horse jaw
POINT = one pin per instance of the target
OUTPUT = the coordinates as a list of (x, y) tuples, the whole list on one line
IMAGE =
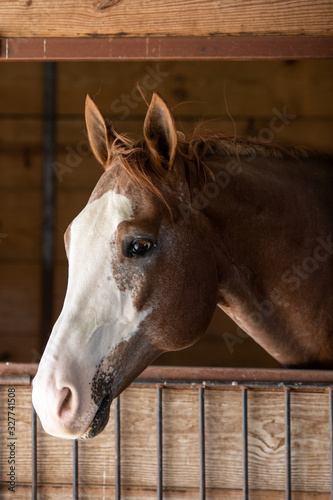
[(96, 321)]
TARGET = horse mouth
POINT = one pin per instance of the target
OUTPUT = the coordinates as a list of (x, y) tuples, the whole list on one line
[(100, 419)]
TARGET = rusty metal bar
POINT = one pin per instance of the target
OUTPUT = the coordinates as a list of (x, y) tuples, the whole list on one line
[(117, 448), (33, 454), (48, 201), (159, 444), (202, 443), (75, 469), (194, 375), (239, 375), (288, 444), (166, 48), (245, 444), (331, 435), (18, 369)]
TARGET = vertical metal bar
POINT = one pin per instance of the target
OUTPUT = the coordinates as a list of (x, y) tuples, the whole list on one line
[(33, 454), (288, 449), (75, 470), (331, 435), (48, 199), (202, 443), (159, 444), (245, 444), (117, 448)]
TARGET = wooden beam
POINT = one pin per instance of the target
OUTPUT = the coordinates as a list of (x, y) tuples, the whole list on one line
[(166, 49), (87, 18)]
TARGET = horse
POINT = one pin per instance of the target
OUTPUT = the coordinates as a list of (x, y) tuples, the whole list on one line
[(175, 226)]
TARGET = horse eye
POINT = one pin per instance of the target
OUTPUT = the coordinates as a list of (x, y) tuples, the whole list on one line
[(139, 248)]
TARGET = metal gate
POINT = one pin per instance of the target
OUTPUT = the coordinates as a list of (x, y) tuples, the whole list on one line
[(201, 380)]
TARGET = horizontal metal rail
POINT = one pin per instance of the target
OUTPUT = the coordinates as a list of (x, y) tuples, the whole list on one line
[(166, 48), (168, 375)]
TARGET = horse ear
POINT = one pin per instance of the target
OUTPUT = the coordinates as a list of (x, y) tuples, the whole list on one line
[(101, 133), (160, 132)]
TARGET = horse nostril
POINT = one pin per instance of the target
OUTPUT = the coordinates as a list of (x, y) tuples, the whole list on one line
[(66, 400)]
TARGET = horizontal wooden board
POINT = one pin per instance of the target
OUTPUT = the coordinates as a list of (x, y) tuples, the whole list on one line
[(187, 18), (198, 89), (21, 88), (19, 298), (181, 460), (252, 88)]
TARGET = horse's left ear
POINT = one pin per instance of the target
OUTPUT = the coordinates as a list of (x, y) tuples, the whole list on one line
[(160, 132), (101, 133)]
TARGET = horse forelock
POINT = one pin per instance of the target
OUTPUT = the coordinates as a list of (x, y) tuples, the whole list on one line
[(194, 154)]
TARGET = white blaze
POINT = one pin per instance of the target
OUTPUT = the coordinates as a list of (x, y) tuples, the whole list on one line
[(96, 317)]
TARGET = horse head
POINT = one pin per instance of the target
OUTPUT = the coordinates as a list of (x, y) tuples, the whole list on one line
[(141, 277)]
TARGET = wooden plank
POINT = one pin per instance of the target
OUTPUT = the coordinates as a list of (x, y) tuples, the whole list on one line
[(21, 221), (196, 89), (251, 88), (19, 298), (21, 88), (187, 18)]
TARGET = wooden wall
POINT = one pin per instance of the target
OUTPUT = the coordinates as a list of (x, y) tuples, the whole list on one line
[(235, 97), (87, 18), (310, 445)]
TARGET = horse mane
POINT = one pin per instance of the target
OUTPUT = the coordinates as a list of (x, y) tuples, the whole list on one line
[(196, 151)]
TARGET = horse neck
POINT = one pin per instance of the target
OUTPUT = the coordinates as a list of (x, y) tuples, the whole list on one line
[(245, 204), (259, 218)]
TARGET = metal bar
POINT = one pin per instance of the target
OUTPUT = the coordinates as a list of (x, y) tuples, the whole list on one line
[(33, 454), (20, 369), (331, 435), (275, 377), (159, 444), (202, 443), (48, 202), (245, 444), (117, 448), (75, 469), (288, 448), (15, 380), (166, 48)]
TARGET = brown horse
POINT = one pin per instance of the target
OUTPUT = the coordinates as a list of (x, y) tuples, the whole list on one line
[(174, 227)]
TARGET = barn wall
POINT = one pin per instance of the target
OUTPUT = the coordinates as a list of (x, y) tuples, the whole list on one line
[(240, 97)]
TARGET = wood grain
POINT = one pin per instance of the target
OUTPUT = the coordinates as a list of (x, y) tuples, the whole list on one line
[(310, 447), (41, 18)]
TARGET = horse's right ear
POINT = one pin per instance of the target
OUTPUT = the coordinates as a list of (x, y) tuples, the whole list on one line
[(101, 133)]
